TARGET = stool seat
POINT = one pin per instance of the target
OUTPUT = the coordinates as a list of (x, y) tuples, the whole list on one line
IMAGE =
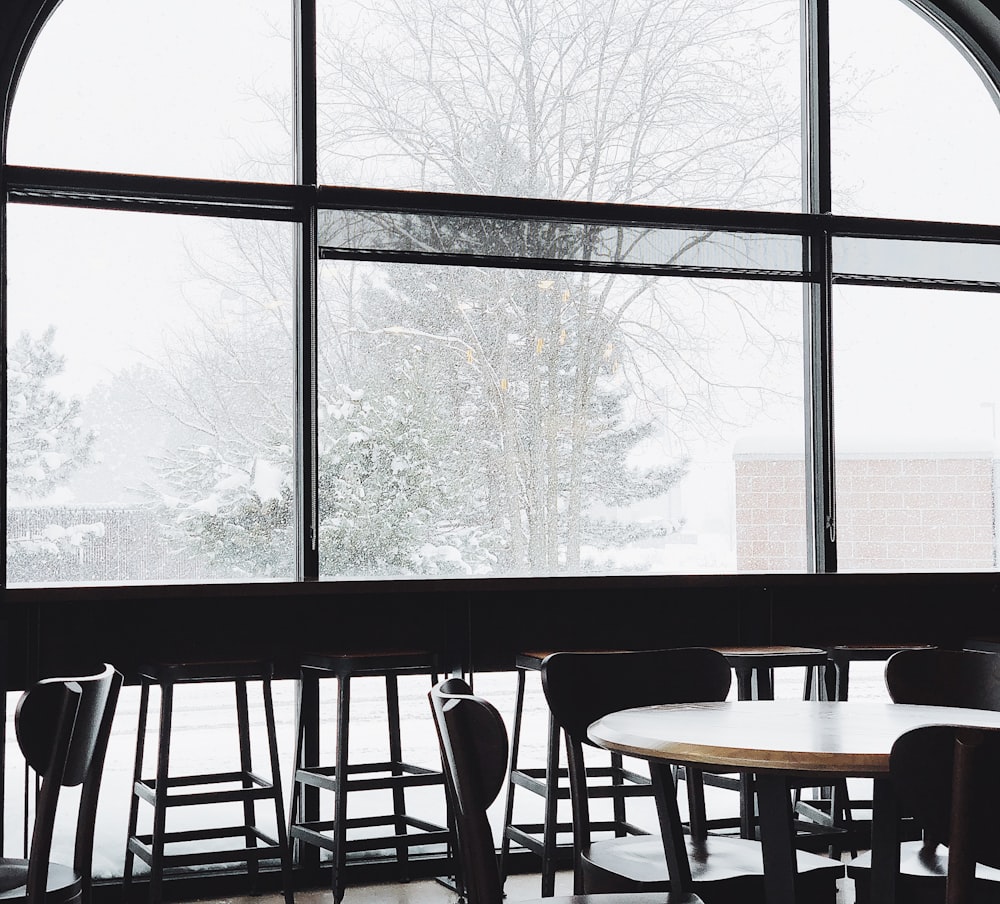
[(842, 655), (343, 777), (754, 666), (377, 664), (168, 790)]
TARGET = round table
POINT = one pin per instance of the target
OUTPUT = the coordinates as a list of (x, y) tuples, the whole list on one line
[(777, 739)]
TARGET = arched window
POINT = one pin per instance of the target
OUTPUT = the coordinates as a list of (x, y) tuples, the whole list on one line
[(381, 290)]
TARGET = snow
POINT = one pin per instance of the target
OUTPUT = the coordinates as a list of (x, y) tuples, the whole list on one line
[(268, 480)]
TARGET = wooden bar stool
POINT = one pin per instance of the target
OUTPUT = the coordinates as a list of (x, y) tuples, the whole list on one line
[(841, 657), (838, 680), (754, 668), (345, 776), (551, 784), (243, 786)]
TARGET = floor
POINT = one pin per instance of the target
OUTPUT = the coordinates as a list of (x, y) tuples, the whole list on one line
[(518, 888)]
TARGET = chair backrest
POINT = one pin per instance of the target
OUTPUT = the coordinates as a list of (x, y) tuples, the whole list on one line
[(583, 687), (937, 677), (947, 777), (474, 756), (62, 727)]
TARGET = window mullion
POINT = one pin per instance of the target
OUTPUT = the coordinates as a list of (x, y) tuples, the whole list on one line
[(820, 485), (306, 351)]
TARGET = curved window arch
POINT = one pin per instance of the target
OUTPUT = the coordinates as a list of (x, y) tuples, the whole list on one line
[(485, 290), (151, 94)]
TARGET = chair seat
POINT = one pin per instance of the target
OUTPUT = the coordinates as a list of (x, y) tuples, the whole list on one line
[(63, 884), (922, 873), (736, 862)]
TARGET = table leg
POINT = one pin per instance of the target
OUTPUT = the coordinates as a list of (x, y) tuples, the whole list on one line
[(777, 836), (885, 842), (671, 829)]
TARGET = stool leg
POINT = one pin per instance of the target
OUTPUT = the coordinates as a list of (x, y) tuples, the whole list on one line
[(396, 758), (515, 743), (744, 684), (279, 804), (133, 813), (843, 679), (305, 799), (249, 815), (340, 788), (618, 800), (162, 789), (549, 825), (747, 688)]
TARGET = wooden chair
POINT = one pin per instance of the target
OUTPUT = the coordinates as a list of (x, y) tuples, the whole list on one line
[(583, 687), (62, 725), (474, 750), (934, 677), (613, 782), (947, 777)]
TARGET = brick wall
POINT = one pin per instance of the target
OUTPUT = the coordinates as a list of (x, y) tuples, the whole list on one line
[(911, 512)]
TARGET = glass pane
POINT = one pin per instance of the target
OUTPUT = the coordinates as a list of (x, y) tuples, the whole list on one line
[(914, 128), (500, 421), (628, 246), (918, 261), (184, 88), (917, 384), (636, 102), (150, 377)]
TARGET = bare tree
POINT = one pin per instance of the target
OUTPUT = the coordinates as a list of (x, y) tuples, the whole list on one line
[(518, 399)]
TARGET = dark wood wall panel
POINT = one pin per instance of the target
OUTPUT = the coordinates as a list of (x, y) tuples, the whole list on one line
[(484, 623)]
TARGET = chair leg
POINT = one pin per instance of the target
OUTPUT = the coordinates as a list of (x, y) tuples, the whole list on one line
[(551, 813)]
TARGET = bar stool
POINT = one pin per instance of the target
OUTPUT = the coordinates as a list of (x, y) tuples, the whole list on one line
[(393, 774), (841, 657), (551, 784), (838, 677), (243, 786), (754, 668)]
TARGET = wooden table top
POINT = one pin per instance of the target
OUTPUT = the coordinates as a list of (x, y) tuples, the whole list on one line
[(786, 735)]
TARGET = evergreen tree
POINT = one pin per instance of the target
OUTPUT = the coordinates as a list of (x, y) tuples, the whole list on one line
[(46, 444), (46, 440)]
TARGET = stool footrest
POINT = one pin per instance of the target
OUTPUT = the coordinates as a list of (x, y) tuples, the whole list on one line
[(260, 789), (633, 784), (532, 839), (142, 847), (529, 834), (412, 776), (428, 833)]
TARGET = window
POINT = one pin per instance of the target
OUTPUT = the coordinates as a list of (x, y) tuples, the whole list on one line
[(478, 289)]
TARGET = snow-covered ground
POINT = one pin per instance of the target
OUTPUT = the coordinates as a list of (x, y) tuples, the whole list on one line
[(204, 740)]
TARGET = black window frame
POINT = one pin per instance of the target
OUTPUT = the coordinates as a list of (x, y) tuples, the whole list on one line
[(969, 24)]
